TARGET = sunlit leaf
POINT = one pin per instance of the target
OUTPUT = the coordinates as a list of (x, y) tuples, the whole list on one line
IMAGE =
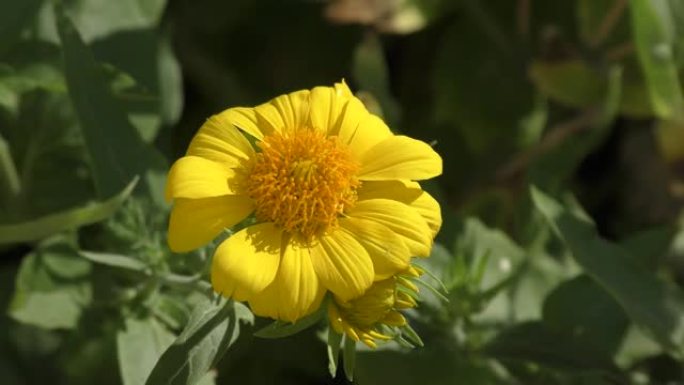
[(211, 330), (653, 29), (114, 260), (69, 219), (139, 345)]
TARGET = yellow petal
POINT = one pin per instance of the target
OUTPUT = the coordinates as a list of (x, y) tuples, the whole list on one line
[(247, 262), (342, 90), (326, 108), (195, 222), (387, 251), (406, 192), (342, 264), (220, 141), (400, 157), (399, 190), (284, 113), (195, 177), (353, 113), (401, 219), (371, 131), (429, 209), (295, 292), (243, 118)]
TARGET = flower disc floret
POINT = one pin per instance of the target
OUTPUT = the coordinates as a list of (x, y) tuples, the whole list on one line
[(303, 181)]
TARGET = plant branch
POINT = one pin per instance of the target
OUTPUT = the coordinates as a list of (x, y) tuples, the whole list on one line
[(557, 135), (609, 22)]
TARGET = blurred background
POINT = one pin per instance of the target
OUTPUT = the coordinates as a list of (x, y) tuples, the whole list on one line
[(580, 98)]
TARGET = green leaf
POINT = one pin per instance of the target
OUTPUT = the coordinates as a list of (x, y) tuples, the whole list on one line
[(14, 17), (63, 261), (648, 301), (48, 310), (653, 30), (569, 82), (333, 343), (98, 19), (279, 329), (114, 260), (170, 311), (349, 357), (212, 329), (636, 347), (117, 151), (69, 219), (45, 294), (647, 247), (582, 310), (533, 342), (139, 345)]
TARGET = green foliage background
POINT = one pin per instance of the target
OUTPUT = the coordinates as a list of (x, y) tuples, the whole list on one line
[(561, 125)]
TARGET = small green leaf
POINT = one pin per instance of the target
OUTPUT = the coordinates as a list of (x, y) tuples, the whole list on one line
[(47, 296), (69, 219), (48, 310), (648, 301), (570, 82), (279, 329), (334, 339), (139, 345), (114, 260), (63, 261), (212, 329), (349, 357)]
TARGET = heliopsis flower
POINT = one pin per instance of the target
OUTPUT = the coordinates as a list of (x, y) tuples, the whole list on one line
[(375, 314), (330, 191)]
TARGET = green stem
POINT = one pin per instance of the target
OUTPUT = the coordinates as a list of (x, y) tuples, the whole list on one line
[(10, 184)]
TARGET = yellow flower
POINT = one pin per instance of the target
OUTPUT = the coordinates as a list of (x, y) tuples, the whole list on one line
[(331, 190), (364, 318)]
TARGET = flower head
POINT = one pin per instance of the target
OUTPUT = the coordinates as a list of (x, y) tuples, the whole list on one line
[(368, 317), (331, 189)]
